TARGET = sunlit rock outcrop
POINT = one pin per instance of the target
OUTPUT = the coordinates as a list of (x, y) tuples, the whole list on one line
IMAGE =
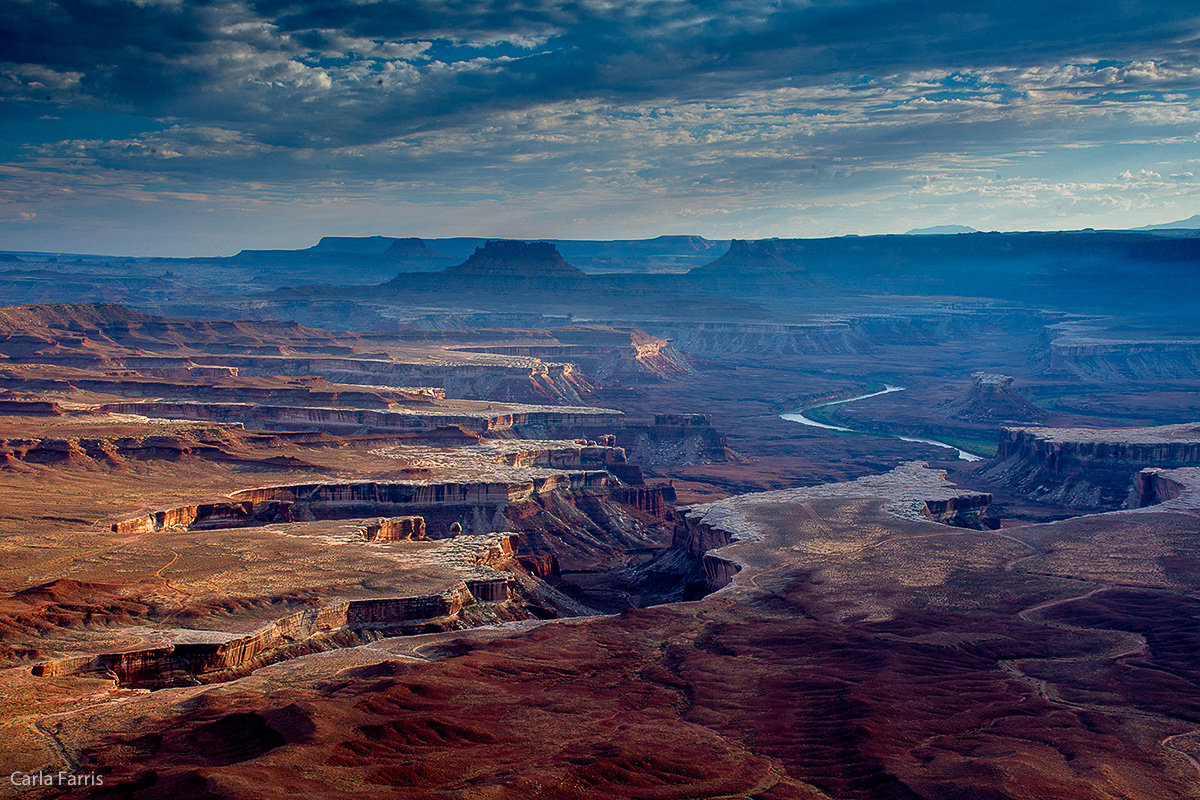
[(198, 655)]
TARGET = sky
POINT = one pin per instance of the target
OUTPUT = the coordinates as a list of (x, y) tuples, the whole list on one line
[(167, 127)]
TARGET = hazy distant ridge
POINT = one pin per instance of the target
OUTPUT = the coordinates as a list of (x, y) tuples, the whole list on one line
[(940, 229), (1191, 222)]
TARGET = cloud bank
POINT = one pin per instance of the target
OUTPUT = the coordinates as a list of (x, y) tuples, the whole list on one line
[(591, 118)]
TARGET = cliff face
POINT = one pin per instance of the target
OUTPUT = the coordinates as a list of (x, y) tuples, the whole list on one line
[(1123, 362), (343, 500), (964, 511), (30, 408), (396, 529), (914, 491), (696, 536), (670, 441), (676, 439), (523, 380), (384, 613), (343, 420), (194, 384), (309, 501), (182, 371), (115, 450), (201, 515), (640, 358), (580, 530), (657, 500), (852, 334), (1164, 446), (585, 454), (1089, 469), (165, 374), (86, 325), (545, 567), (188, 662), (1169, 489), (1151, 487), (340, 624), (717, 338)]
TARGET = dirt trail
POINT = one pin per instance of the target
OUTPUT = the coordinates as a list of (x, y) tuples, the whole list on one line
[(1045, 690), (166, 584)]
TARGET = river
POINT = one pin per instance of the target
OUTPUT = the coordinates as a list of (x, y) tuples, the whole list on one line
[(798, 416)]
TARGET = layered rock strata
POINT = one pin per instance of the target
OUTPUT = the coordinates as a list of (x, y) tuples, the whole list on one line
[(503, 378), (675, 440), (520, 459), (309, 501), (965, 510), (701, 538), (641, 358), (842, 335), (196, 655), (1168, 489), (30, 408), (396, 529), (344, 420), (720, 338), (658, 499), (212, 442), (1126, 361), (1090, 469)]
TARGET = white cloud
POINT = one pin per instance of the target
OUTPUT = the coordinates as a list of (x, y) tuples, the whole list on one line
[(763, 108)]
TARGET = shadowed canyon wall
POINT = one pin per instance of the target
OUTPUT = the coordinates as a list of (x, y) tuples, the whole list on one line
[(1089, 469)]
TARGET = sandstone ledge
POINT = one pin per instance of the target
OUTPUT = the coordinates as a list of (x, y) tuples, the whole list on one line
[(1090, 469), (189, 656)]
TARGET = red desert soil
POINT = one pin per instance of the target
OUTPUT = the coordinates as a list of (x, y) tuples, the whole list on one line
[(857, 654)]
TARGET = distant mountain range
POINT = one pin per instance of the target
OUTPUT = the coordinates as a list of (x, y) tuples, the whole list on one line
[(940, 229), (517, 283), (661, 254), (1191, 222)]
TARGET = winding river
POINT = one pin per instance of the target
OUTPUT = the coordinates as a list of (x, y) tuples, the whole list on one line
[(798, 416)]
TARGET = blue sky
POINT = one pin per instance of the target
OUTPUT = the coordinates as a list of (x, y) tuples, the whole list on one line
[(198, 128)]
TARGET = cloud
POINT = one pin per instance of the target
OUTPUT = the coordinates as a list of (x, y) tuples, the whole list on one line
[(247, 64), (757, 105)]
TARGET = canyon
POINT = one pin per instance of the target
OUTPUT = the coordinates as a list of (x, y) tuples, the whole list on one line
[(460, 517)]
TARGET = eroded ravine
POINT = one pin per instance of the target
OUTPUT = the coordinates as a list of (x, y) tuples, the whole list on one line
[(493, 541)]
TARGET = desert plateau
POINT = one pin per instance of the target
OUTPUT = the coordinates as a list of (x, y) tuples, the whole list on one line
[(911, 545)]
